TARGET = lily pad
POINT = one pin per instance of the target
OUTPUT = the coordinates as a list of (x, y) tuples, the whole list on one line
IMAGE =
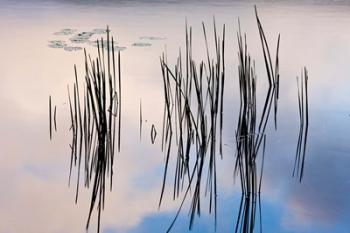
[(99, 31), (57, 44), (141, 44), (65, 31), (82, 37), (72, 48), (116, 48), (152, 38), (119, 48), (94, 42), (78, 40), (85, 34)]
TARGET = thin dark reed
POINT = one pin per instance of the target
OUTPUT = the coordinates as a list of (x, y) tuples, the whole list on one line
[(119, 99), (302, 84), (50, 118), (167, 129), (54, 119), (140, 119), (272, 73), (72, 128), (222, 89)]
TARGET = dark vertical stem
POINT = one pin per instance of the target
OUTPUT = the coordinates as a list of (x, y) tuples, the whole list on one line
[(120, 100), (50, 118), (54, 118), (140, 119)]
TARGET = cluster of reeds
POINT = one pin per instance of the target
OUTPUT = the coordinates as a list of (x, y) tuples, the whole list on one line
[(303, 126), (95, 111), (247, 141), (250, 134), (193, 94), (192, 124), (272, 69)]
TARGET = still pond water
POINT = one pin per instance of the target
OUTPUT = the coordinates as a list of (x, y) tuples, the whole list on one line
[(34, 170)]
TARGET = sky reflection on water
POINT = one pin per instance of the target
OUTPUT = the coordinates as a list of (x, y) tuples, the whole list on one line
[(34, 171)]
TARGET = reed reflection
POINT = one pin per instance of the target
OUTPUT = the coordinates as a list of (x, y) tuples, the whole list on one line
[(250, 133), (303, 104)]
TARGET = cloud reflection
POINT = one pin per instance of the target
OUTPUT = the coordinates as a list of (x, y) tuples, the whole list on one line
[(34, 173)]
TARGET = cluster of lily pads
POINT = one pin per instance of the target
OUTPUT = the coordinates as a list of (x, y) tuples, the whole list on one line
[(78, 38), (58, 44), (85, 38)]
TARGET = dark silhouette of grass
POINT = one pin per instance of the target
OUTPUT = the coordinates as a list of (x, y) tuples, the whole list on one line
[(140, 119), (50, 118), (303, 104), (93, 123), (193, 96), (272, 73), (54, 119), (250, 133), (248, 136)]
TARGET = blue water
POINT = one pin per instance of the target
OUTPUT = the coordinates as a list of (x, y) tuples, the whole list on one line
[(35, 196)]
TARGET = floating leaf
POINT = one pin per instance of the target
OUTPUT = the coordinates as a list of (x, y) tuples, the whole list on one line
[(85, 34), (116, 48), (152, 38), (119, 48), (57, 44), (99, 31), (66, 31), (141, 44), (72, 48), (93, 43), (82, 37), (78, 40)]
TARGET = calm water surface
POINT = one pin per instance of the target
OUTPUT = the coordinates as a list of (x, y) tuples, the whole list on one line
[(34, 170)]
